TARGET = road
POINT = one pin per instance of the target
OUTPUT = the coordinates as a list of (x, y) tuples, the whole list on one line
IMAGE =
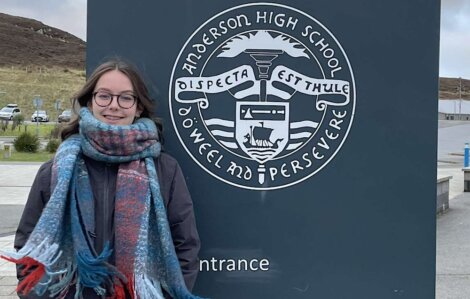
[(452, 136)]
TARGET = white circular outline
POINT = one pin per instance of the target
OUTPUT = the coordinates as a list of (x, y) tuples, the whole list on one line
[(170, 96)]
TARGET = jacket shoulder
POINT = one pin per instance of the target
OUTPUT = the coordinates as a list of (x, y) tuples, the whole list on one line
[(43, 178), (167, 166), (46, 167), (166, 160)]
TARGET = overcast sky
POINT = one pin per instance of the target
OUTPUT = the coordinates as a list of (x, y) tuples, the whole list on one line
[(70, 16)]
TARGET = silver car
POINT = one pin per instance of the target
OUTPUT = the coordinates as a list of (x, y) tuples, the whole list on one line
[(39, 115), (9, 112), (65, 116)]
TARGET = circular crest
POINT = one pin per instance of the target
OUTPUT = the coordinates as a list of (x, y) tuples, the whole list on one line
[(262, 96)]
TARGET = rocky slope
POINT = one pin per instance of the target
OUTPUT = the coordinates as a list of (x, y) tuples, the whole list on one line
[(27, 42)]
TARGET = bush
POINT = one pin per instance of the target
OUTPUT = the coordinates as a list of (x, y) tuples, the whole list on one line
[(17, 120), (3, 125), (55, 132), (26, 142), (52, 145)]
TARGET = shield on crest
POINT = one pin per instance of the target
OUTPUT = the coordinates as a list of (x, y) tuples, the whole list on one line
[(262, 129)]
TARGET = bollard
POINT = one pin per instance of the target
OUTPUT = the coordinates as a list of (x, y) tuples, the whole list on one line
[(7, 151), (466, 170), (466, 156), (466, 180)]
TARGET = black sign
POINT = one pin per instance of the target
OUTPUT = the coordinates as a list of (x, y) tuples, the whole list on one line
[(306, 131)]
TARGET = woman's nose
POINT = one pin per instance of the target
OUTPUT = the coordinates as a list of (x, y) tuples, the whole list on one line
[(114, 103)]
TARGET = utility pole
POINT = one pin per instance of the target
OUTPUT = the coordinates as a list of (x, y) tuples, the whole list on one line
[(460, 98)]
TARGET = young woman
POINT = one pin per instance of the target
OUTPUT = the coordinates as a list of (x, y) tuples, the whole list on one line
[(111, 215)]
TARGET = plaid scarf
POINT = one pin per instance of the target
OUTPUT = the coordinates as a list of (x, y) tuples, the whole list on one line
[(58, 254)]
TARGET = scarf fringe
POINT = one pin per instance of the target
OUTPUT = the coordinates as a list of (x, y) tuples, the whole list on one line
[(61, 288), (119, 292), (36, 263), (45, 253), (33, 278), (96, 273), (141, 288), (147, 288)]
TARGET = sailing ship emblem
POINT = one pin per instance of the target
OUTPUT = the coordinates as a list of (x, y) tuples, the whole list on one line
[(262, 130)]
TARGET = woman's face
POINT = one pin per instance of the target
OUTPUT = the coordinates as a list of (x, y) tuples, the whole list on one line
[(115, 83)]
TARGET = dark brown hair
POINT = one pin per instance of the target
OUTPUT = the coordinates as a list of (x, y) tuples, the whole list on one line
[(84, 96)]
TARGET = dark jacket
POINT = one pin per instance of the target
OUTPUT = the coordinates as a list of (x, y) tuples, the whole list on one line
[(103, 176)]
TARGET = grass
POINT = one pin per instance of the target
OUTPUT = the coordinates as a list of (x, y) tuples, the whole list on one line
[(20, 85), (41, 156), (44, 130)]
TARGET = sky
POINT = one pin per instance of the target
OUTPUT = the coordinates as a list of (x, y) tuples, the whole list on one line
[(70, 16)]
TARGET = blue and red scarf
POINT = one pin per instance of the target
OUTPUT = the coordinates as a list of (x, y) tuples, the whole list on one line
[(58, 254)]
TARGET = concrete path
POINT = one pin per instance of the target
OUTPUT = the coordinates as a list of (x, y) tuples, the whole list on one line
[(8, 280), (453, 250), (15, 183)]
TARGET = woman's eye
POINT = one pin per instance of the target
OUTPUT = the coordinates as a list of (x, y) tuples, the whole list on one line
[(126, 97)]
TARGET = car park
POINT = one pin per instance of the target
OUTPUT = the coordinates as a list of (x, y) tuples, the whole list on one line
[(39, 115), (65, 116), (9, 111)]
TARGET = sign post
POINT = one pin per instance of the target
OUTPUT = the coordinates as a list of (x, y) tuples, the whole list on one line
[(57, 107), (37, 103)]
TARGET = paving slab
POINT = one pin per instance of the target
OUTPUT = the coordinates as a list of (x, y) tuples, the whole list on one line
[(8, 279), (15, 182), (453, 250)]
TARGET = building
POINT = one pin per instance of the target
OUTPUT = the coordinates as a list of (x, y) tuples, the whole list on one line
[(454, 109)]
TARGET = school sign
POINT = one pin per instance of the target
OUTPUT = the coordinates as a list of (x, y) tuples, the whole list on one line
[(295, 124)]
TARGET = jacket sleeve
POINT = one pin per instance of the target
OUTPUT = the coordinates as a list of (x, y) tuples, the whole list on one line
[(38, 197), (183, 227)]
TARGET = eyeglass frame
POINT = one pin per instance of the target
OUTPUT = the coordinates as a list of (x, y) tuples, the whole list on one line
[(112, 98)]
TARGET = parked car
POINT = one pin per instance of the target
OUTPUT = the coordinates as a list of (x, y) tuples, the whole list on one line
[(9, 111), (65, 116), (39, 115)]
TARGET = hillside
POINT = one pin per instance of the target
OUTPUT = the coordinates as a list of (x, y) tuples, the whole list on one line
[(27, 42), (449, 88), (38, 60), (32, 46)]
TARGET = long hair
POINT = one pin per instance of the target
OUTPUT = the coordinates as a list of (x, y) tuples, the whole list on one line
[(85, 95)]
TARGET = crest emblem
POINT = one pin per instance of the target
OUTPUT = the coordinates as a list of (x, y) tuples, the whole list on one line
[(262, 131), (262, 96)]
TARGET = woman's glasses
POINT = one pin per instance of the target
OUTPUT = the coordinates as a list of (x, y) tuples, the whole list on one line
[(104, 99)]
